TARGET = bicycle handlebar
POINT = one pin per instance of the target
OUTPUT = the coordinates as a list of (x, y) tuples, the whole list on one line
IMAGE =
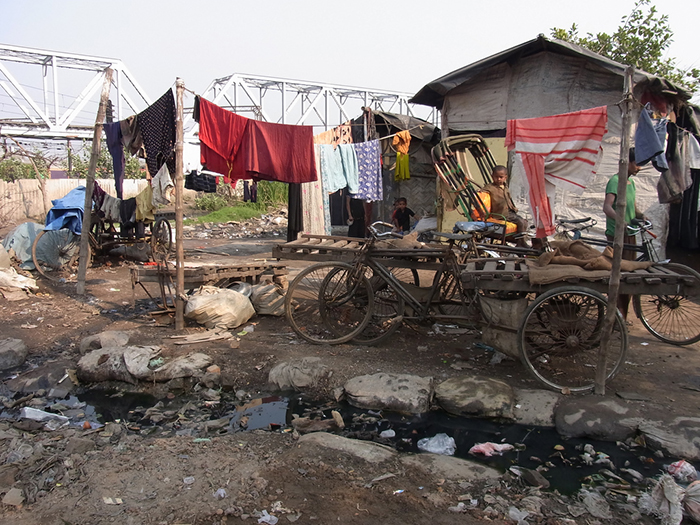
[(382, 235)]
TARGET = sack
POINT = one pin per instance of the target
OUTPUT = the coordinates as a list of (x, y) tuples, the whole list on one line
[(268, 299), (219, 307)]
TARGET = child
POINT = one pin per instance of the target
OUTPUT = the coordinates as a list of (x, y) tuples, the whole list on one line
[(402, 216)]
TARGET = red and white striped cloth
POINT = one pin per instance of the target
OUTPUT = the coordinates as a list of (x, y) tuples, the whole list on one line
[(558, 151)]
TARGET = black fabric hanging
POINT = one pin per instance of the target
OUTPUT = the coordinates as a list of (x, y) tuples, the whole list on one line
[(157, 125), (295, 223)]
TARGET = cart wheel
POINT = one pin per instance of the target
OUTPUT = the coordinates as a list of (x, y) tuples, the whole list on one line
[(323, 305), (673, 319), (388, 309), (456, 301), (56, 254), (559, 338), (161, 240)]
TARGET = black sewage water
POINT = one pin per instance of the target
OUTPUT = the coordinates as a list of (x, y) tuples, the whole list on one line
[(535, 446)]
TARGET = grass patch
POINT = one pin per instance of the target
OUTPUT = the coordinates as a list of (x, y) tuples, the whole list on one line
[(237, 213)]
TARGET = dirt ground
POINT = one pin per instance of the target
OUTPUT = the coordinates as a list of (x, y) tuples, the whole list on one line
[(258, 469)]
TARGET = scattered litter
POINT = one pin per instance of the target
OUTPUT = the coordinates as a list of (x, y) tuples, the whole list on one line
[(459, 508), (220, 494), (267, 518), (188, 480), (28, 326), (438, 444), (682, 471), (483, 346), (112, 501), (518, 515), (400, 491), (114, 290), (489, 449), (14, 497), (691, 501), (39, 415), (595, 504), (664, 501), (644, 344), (497, 357), (387, 433)]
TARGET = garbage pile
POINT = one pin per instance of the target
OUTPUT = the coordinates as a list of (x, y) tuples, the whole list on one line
[(268, 225)]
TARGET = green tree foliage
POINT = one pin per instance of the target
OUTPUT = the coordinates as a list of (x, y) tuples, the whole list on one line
[(80, 162), (13, 169), (641, 41)]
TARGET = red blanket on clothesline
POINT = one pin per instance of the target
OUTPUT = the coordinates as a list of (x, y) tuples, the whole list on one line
[(241, 148)]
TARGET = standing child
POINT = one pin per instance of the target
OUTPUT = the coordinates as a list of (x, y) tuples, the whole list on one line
[(402, 216)]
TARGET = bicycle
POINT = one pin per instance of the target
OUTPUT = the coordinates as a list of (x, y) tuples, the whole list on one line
[(366, 302), (673, 319)]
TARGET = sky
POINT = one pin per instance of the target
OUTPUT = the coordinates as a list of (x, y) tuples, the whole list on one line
[(392, 46)]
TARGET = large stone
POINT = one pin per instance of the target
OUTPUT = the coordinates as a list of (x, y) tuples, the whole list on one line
[(605, 419), (476, 396), (298, 374), (106, 339), (13, 352), (451, 468), (78, 445), (395, 392), (367, 450), (679, 437), (535, 407)]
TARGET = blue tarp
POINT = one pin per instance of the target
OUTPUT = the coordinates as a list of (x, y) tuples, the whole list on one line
[(67, 212)]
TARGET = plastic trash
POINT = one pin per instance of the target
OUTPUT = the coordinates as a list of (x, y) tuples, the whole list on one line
[(438, 444), (39, 415), (489, 449), (664, 501), (268, 518), (387, 433), (188, 480), (518, 515), (220, 494), (682, 471), (595, 504), (691, 501), (219, 307)]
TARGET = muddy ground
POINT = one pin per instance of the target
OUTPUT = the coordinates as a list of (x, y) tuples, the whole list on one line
[(69, 478)]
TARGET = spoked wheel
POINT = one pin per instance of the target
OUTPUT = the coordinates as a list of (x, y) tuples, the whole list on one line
[(56, 254), (673, 319), (457, 302), (559, 339), (388, 309), (324, 304), (161, 240)]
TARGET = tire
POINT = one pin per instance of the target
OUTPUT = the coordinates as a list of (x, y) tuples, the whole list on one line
[(161, 240), (56, 254), (324, 305), (674, 319), (388, 308), (559, 339)]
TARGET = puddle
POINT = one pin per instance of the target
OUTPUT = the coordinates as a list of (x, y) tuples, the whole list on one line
[(535, 446)]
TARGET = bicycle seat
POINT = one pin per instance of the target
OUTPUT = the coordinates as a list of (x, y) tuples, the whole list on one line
[(573, 221), (474, 227)]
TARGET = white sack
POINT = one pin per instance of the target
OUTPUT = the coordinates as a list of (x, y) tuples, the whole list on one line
[(219, 307), (268, 299)]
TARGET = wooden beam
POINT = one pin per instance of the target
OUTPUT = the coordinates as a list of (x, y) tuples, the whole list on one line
[(179, 190)]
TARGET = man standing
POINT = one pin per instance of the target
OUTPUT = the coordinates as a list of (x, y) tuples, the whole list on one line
[(502, 202), (631, 212)]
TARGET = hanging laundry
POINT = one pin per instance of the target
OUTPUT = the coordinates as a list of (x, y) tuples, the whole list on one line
[(162, 185), (111, 208), (348, 159), (113, 132), (650, 140), (98, 197), (674, 181), (220, 134), (201, 182), (144, 205), (369, 171), (560, 151), (402, 142), (332, 169), (157, 125), (132, 140), (250, 191), (127, 212)]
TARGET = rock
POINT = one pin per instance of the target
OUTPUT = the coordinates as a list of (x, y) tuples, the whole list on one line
[(298, 374), (305, 425), (8, 475), (535, 407), (371, 452), (5, 261), (395, 392), (14, 497), (13, 352), (532, 477), (606, 419), (476, 396), (449, 467), (105, 339), (78, 445), (679, 437)]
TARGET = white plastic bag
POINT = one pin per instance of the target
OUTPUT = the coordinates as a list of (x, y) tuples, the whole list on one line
[(438, 444), (219, 307), (691, 501)]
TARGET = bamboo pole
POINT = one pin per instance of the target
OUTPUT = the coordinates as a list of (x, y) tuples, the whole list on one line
[(90, 183), (179, 190), (620, 207)]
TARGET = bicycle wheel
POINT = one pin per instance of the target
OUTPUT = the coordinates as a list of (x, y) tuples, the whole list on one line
[(325, 305), (673, 319), (388, 308), (455, 301), (161, 240), (559, 338), (56, 253)]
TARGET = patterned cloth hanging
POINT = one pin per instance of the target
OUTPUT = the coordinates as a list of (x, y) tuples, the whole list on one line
[(157, 125)]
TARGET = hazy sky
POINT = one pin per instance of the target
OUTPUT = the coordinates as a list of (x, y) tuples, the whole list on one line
[(396, 46)]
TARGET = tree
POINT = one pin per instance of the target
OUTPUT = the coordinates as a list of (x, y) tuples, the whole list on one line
[(641, 40), (104, 170)]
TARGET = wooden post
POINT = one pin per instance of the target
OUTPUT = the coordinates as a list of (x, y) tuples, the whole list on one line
[(620, 207), (90, 182), (179, 190)]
